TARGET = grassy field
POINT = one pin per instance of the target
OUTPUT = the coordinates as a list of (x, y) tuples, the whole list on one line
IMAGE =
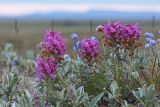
[(30, 32)]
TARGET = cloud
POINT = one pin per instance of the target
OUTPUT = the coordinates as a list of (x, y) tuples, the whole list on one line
[(25, 9)]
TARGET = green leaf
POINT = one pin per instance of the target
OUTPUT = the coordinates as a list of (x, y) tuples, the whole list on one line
[(63, 94), (80, 90), (95, 100), (8, 47), (14, 80), (135, 75), (136, 93), (114, 87), (28, 94), (2, 103), (151, 91), (30, 54), (58, 104), (24, 102), (110, 96), (142, 92)]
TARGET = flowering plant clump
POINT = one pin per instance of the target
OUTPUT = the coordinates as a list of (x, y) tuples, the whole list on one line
[(92, 77), (89, 49), (125, 35), (53, 48), (53, 43), (150, 40), (46, 67)]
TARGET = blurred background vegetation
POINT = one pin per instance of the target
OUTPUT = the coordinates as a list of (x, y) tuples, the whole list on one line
[(26, 34)]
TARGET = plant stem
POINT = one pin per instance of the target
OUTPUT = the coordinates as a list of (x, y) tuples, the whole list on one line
[(61, 79), (103, 46)]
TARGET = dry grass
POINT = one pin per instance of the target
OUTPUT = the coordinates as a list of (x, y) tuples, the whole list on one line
[(31, 32)]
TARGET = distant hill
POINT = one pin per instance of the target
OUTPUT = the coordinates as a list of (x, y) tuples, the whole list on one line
[(98, 15)]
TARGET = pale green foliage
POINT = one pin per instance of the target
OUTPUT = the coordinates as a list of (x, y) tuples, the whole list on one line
[(118, 80)]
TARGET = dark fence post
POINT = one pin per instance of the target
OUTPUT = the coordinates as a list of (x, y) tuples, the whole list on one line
[(16, 26), (52, 24), (91, 26), (153, 21)]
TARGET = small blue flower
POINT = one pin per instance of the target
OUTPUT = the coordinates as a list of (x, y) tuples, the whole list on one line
[(78, 43), (149, 35), (118, 46), (93, 38), (15, 62), (74, 36), (148, 39), (152, 42), (148, 45), (158, 41), (74, 48)]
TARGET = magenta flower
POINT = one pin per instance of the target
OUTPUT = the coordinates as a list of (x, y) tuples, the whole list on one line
[(125, 35), (89, 49), (132, 32), (118, 31), (113, 30), (54, 43), (46, 67)]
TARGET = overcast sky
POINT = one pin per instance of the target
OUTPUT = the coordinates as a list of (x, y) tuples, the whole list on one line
[(143, 2), (23, 7)]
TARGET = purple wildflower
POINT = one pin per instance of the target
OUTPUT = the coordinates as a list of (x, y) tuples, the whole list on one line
[(148, 45), (152, 42), (132, 32), (54, 43), (74, 48), (118, 46), (158, 40), (125, 35), (89, 49), (148, 39), (118, 31), (149, 35), (93, 38), (46, 66), (74, 36), (78, 43)]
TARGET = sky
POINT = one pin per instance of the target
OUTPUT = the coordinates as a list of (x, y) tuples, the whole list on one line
[(142, 2), (24, 7)]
